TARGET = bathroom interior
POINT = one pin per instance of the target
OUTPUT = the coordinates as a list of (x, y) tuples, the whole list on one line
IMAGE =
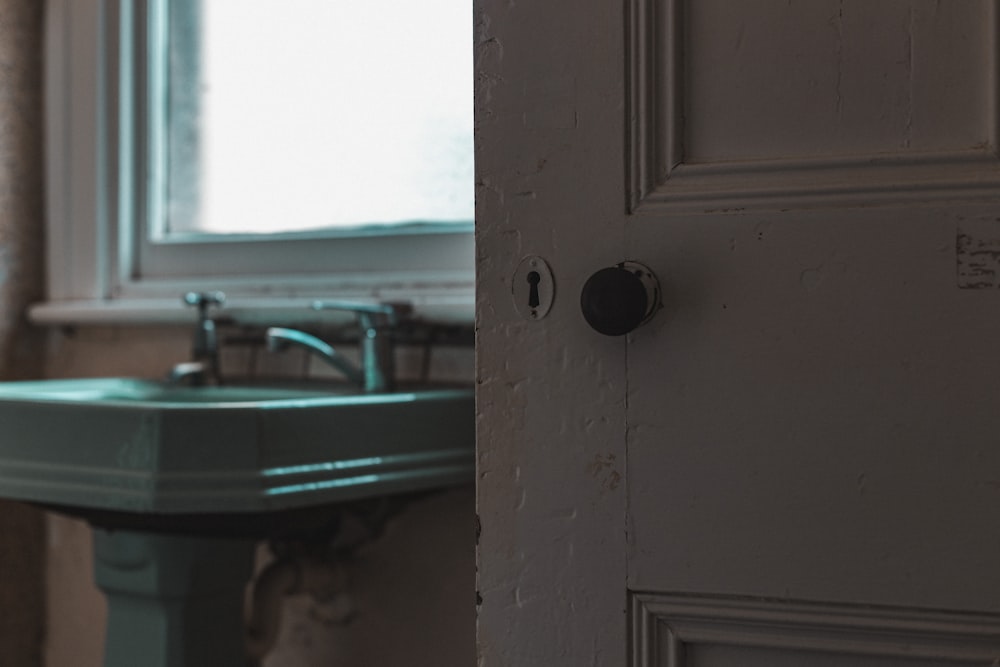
[(403, 583), (793, 462)]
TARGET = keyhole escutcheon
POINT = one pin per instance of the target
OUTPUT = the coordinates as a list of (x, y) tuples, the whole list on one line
[(533, 288)]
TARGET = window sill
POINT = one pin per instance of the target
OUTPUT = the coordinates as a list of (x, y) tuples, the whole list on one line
[(456, 308)]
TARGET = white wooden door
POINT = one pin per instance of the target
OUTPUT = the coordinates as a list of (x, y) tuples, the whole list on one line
[(797, 462)]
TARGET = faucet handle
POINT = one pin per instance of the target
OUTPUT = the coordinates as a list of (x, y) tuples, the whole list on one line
[(205, 343), (393, 311), (376, 321), (202, 300)]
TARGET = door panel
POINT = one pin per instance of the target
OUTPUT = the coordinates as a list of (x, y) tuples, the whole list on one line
[(814, 418), (811, 418), (771, 79), (795, 461), (691, 631), (779, 104)]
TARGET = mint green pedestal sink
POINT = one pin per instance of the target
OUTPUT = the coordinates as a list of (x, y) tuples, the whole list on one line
[(107, 445), (178, 481)]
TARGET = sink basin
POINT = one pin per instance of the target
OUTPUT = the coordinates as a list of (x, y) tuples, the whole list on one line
[(111, 446), (117, 390)]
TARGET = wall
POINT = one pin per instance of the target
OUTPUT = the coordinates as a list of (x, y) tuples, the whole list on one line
[(413, 590), (21, 527)]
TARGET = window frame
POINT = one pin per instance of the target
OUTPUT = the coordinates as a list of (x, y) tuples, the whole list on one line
[(102, 197)]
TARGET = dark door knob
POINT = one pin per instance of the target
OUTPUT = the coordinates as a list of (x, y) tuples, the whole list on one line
[(620, 298)]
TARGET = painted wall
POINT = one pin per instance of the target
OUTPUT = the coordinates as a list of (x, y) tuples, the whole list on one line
[(413, 590), (21, 528)]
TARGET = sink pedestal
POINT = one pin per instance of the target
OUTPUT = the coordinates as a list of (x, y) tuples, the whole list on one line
[(173, 601), (160, 462)]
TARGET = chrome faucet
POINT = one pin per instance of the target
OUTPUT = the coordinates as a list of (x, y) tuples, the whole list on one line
[(204, 366), (376, 321), (280, 339)]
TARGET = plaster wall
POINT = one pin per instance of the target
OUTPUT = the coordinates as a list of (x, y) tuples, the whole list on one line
[(413, 590)]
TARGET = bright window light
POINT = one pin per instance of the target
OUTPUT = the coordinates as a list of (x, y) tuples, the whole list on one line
[(298, 115)]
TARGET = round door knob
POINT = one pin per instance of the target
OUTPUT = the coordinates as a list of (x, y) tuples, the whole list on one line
[(618, 299)]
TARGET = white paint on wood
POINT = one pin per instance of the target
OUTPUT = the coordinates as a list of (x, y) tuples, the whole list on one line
[(771, 104), (674, 631), (770, 79), (550, 394), (812, 415)]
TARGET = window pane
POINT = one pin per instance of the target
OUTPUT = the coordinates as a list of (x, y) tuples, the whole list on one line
[(289, 115)]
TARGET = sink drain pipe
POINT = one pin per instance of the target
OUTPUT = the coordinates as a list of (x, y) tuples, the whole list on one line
[(288, 575)]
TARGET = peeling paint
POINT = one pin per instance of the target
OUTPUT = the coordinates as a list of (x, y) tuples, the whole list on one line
[(490, 47), (602, 468), (978, 259), (546, 532)]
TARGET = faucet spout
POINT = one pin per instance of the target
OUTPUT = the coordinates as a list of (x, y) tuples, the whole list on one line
[(280, 338), (191, 372)]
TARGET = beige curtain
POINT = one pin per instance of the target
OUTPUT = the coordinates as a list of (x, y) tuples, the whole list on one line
[(21, 283)]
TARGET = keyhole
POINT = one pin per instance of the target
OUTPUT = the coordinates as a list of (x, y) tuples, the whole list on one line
[(533, 279), (534, 302)]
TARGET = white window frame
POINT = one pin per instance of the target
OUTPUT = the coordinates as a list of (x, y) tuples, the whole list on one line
[(100, 196)]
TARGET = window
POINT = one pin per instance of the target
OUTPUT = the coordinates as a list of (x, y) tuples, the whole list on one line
[(276, 149), (291, 115)]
